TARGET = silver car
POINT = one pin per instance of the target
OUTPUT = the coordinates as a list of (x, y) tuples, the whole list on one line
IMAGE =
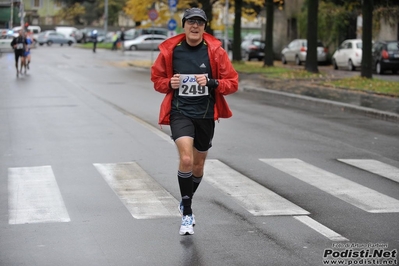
[(145, 42), (5, 43), (296, 52), (51, 36)]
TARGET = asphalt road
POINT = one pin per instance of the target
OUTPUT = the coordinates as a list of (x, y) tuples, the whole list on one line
[(87, 177)]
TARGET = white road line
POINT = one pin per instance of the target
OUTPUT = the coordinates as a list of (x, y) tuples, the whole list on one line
[(139, 192), (375, 167), (34, 196), (318, 227), (254, 197), (351, 192)]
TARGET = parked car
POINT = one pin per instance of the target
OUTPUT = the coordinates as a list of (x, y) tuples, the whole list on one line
[(229, 43), (5, 43), (348, 54), (253, 48), (49, 37), (385, 56), (134, 33), (296, 51), (145, 42), (70, 32)]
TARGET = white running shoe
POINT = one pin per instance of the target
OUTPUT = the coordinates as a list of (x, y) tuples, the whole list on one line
[(186, 227), (181, 208)]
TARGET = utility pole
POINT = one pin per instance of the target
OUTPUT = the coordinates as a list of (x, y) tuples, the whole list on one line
[(12, 15), (226, 26), (106, 16)]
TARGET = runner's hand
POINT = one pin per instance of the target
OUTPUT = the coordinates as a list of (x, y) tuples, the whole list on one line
[(175, 81)]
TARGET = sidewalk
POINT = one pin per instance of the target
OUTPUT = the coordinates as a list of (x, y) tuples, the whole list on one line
[(309, 92)]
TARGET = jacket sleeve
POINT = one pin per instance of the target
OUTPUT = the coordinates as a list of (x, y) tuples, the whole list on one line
[(159, 75), (13, 43), (226, 74)]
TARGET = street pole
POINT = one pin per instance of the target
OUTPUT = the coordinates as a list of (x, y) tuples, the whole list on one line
[(12, 15), (22, 11), (226, 26), (106, 17)]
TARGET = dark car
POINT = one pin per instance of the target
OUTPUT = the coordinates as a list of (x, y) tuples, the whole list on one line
[(386, 56), (253, 49)]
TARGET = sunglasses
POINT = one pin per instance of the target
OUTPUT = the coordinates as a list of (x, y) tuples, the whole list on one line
[(198, 21)]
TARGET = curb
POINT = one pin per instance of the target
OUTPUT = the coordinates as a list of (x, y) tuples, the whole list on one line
[(387, 116), (340, 106)]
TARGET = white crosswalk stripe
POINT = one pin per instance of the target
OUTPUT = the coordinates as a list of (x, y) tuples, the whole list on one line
[(34, 196), (375, 167), (254, 197), (344, 189), (139, 192)]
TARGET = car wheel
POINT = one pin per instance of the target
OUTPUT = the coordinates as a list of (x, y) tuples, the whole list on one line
[(41, 44), (49, 43), (133, 48), (70, 43), (351, 67), (297, 61), (61, 44), (335, 64), (378, 68), (283, 60)]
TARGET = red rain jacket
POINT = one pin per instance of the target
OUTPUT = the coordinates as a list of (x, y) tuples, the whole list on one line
[(222, 70)]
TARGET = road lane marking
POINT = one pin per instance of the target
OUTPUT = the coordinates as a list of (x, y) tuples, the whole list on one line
[(375, 167), (360, 196), (34, 196), (254, 197), (139, 192), (318, 227)]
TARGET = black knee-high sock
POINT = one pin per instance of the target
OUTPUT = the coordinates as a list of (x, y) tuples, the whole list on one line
[(196, 183), (186, 190)]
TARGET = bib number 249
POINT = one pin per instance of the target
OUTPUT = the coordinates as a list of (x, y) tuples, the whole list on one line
[(193, 89)]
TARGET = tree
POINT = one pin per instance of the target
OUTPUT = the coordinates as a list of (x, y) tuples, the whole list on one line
[(269, 54), (71, 14), (367, 12), (237, 30), (311, 53)]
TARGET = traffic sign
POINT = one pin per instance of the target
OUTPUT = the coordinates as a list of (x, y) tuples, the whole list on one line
[(172, 4), (172, 24), (153, 14)]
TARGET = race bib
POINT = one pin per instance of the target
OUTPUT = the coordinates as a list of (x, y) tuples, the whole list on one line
[(189, 86), (20, 46)]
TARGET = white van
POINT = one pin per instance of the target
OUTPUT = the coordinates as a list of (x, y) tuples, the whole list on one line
[(70, 32), (34, 29)]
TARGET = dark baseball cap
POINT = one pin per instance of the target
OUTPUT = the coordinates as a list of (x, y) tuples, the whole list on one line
[(194, 12)]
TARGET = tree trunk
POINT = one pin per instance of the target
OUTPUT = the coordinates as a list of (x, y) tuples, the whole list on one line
[(207, 7), (367, 12), (269, 53), (311, 54), (237, 31)]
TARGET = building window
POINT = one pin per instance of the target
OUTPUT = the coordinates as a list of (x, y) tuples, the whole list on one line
[(36, 3)]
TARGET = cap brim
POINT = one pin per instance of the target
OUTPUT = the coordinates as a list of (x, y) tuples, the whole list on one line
[(196, 15)]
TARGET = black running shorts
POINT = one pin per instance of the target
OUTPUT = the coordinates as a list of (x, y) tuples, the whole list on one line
[(18, 53), (201, 130)]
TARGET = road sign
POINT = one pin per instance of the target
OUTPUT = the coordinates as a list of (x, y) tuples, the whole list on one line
[(153, 14), (172, 24), (172, 4)]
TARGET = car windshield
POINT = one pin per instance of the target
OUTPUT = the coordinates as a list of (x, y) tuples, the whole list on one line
[(393, 46)]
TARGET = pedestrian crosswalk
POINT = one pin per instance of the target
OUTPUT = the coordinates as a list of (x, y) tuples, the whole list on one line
[(34, 195)]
